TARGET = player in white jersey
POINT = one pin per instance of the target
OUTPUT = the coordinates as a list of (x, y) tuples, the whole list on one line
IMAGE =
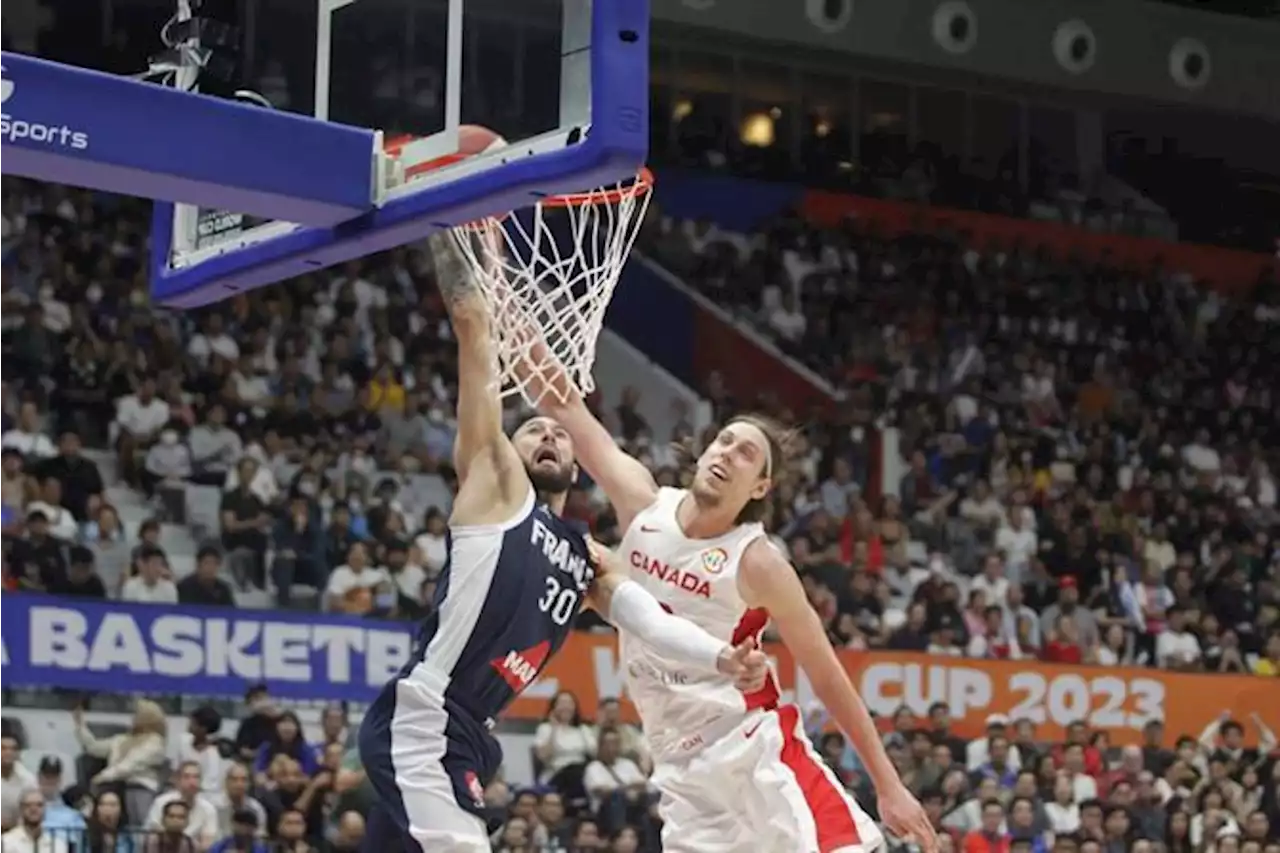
[(737, 773)]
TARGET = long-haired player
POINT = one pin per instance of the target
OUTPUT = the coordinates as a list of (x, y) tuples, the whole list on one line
[(736, 771), (516, 577)]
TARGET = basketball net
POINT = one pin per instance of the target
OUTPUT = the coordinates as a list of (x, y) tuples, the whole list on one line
[(547, 275)]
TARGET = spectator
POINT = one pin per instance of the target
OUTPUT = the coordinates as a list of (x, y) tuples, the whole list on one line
[(260, 724), (106, 832), (1176, 647), (563, 740), (200, 746), (245, 522), (245, 829), (978, 751), (62, 524), (991, 836), (286, 739), (633, 745), (215, 447), (432, 542), (1068, 604), (166, 470), (150, 585), (353, 587), (286, 787), (204, 586), (291, 830), (135, 761), (613, 782), (139, 419), (299, 549), (58, 816), (79, 480), (15, 481), (14, 779), (82, 581), (172, 837), (29, 835), (105, 538), (39, 561), (202, 817), (27, 438), (1062, 811)]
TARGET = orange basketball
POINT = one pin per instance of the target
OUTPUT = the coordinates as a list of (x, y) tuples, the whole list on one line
[(474, 139)]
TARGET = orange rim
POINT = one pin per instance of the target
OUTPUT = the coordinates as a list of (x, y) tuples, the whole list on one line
[(640, 185)]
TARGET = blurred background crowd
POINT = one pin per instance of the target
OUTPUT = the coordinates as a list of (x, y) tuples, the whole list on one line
[(1035, 456)]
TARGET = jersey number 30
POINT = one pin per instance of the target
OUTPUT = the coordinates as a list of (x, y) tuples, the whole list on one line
[(560, 601)]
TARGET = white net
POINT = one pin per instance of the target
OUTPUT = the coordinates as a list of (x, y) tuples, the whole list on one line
[(548, 274)]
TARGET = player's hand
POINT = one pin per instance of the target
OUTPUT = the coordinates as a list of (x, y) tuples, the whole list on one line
[(905, 817), (602, 557), (748, 666)]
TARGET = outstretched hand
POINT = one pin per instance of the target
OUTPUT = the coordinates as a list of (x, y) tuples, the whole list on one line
[(602, 557), (747, 664), (903, 815)]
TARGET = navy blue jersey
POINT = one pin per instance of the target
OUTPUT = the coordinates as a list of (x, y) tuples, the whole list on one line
[(505, 603)]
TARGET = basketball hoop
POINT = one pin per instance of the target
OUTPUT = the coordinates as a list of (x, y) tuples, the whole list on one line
[(548, 275)]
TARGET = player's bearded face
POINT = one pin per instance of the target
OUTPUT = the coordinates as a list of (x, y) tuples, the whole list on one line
[(549, 475), (547, 452)]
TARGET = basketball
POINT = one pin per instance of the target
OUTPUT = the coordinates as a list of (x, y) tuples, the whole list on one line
[(474, 139)]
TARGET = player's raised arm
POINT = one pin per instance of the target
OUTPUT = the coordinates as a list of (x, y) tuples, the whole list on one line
[(627, 483), (766, 579), (631, 608), (481, 449)]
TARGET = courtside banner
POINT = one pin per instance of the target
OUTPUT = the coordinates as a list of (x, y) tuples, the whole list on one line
[(92, 646), (197, 651)]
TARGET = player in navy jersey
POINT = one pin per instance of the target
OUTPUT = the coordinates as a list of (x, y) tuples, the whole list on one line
[(516, 577)]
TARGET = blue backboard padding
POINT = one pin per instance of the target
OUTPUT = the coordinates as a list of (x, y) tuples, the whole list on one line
[(85, 128), (613, 150)]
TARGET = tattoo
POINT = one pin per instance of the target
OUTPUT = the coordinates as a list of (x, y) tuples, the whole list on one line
[(453, 276)]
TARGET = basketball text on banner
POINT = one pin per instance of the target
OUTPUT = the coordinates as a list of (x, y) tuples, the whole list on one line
[(197, 651)]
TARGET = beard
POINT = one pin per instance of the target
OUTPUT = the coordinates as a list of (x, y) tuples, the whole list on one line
[(551, 483)]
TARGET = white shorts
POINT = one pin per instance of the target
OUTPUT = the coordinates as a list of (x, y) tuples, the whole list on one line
[(760, 789)]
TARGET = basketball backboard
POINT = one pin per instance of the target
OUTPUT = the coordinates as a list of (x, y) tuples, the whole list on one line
[(248, 195)]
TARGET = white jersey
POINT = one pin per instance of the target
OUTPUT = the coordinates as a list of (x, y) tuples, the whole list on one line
[(697, 580)]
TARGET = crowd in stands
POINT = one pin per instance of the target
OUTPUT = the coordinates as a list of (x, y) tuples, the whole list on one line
[(1071, 434), (1088, 462), (1088, 477)]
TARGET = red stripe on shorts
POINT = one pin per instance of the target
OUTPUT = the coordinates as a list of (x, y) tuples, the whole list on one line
[(831, 813), (749, 627)]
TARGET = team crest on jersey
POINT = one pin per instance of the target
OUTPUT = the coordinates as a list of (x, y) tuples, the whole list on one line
[(474, 788), (713, 560)]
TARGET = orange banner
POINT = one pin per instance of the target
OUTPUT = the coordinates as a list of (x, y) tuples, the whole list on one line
[(1229, 269), (1119, 700)]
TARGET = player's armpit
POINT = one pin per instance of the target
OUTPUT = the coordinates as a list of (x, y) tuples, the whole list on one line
[(767, 579)]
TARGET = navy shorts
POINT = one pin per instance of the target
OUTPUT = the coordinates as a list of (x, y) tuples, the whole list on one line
[(428, 761)]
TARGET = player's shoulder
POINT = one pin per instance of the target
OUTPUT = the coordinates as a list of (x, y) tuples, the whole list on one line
[(760, 550)]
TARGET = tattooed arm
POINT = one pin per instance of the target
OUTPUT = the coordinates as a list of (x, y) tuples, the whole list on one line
[(492, 482)]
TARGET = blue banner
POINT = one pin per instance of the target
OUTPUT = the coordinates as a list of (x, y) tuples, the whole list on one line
[(200, 651)]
